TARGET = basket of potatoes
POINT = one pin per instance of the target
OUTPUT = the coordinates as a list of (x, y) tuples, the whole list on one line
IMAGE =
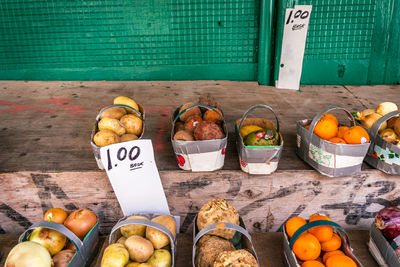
[(258, 142), (199, 137), (220, 238), (142, 240), (121, 122)]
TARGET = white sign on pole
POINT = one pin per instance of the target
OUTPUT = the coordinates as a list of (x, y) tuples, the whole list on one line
[(134, 176), (293, 44)]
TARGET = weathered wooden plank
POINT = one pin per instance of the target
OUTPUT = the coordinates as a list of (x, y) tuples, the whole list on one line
[(269, 248), (46, 125), (264, 202)]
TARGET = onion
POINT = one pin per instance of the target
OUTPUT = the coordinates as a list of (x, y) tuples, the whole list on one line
[(370, 119), (80, 222), (385, 108), (62, 258), (28, 254), (56, 215), (388, 135), (388, 221)]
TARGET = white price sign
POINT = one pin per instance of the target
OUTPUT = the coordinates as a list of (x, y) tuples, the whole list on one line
[(134, 176), (293, 45)]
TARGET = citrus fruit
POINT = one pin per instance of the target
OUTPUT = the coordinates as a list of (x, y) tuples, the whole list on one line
[(337, 140), (331, 117), (326, 129), (331, 253), (341, 131), (56, 215), (332, 244), (307, 247), (245, 130), (356, 135), (322, 233), (293, 224), (312, 263), (340, 261)]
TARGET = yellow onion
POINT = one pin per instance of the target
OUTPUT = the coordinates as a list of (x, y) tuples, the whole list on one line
[(80, 222), (370, 119), (385, 108), (28, 254), (388, 135)]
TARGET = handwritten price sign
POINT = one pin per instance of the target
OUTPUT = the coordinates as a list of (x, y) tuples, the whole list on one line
[(133, 174), (293, 44)]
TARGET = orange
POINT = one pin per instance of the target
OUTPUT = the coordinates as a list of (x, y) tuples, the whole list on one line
[(307, 247), (307, 127), (337, 140), (326, 129), (331, 253), (342, 130), (214, 116), (293, 224), (356, 135), (322, 233), (332, 244), (312, 264), (331, 117), (340, 261)]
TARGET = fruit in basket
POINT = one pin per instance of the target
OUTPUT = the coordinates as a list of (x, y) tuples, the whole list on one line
[(388, 221), (385, 108), (207, 130), (62, 258), (322, 233), (183, 135), (341, 131), (113, 113), (128, 137), (192, 122), (328, 116), (331, 253), (160, 258), (388, 135), (56, 215), (216, 211), (240, 257), (115, 255), (51, 239), (113, 125), (326, 128), (337, 140), (132, 123), (307, 247), (28, 254), (245, 130), (80, 222), (340, 261), (133, 229), (140, 249), (207, 251), (190, 112), (356, 135), (123, 100), (332, 244), (158, 238), (214, 116), (264, 137), (312, 263), (105, 138), (293, 224)]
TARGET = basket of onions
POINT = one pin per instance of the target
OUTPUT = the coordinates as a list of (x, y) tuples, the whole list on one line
[(60, 240), (384, 243)]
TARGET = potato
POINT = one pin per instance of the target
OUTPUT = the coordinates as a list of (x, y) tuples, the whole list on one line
[(105, 138), (190, 112), (115, 255), (158, 238), (128, 137), (138, 264), (62, 258), (136, 229), (133, 124), (140, 249), (123, 100), (160, 258), (112, 125), (113, 113), (121, 240)]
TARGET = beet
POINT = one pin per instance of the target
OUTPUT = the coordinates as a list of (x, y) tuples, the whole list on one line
[(388, 221)]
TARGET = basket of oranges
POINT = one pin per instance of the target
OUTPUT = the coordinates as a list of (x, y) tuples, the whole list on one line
[(317, 243), (330, 148)]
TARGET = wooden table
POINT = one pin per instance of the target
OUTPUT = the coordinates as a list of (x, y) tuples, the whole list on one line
[(269, 248)]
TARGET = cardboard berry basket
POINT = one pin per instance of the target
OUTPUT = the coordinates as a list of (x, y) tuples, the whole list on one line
[(383, 155), (241, 240), (85, 250), (289, 256), (96, 149), (330, 159), (258, 159), (203, 155), (116, 234), (382, 251)]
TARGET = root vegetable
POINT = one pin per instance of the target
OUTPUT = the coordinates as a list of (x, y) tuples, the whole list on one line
[(115, 255), (123, 100), (388, 221), (105, 138), (113, 125)]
